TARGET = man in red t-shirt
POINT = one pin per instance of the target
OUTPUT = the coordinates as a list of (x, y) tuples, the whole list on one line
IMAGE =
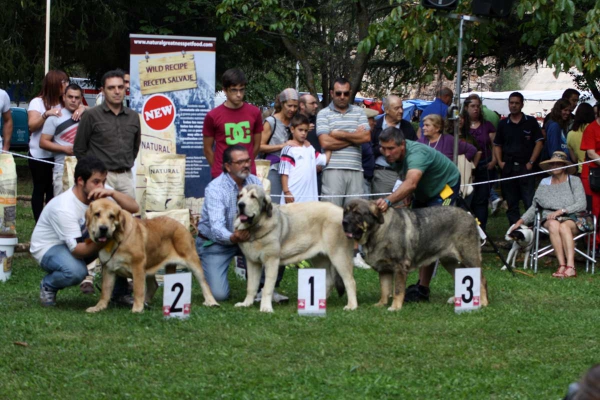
[(233, 122), (590, 142)]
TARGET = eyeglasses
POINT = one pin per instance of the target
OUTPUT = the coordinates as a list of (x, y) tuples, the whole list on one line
[(339, 94), (241, 162)]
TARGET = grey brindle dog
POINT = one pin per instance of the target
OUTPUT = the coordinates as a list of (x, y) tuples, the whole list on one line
[(399, 241)]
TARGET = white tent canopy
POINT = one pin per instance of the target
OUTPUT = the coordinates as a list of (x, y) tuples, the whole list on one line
[(535, 100)]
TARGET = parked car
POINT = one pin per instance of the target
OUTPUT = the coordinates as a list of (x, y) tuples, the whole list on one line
[(20, 136)]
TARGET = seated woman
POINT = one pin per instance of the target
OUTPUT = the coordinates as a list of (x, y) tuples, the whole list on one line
[(560, 197)]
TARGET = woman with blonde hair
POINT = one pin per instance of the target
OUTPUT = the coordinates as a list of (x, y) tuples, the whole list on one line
[(444, 143)]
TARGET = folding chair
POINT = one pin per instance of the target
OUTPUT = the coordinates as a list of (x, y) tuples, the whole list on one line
[(537, 252)]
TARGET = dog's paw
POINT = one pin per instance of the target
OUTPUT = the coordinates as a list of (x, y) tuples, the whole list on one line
[(392, 308), (350, 307), (450, 300), (503, 268), (267, 308), (243, 304), (94, 309), (212, 304), (380, 304), (137, 310)]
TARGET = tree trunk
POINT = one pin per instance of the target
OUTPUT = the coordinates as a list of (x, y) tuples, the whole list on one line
[(593, 88), (359, 66)]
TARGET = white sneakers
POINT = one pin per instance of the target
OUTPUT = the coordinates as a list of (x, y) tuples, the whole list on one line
[(359, 262), (495, 205), (277, 298)]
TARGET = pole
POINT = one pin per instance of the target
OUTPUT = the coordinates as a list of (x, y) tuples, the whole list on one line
[(47, 55), (457, 92), (297, 76)]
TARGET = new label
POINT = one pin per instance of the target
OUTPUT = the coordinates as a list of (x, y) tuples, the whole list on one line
[(158, 112)]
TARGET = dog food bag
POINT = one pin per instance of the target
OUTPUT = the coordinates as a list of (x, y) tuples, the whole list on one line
[(68, 178), (262, 173), (165, 182), (182, 215), (8, 196)]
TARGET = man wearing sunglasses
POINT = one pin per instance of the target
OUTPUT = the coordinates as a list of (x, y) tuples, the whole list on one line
[(342, 128)]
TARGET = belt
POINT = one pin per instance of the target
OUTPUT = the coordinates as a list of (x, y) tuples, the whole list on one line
[(120, 170), (381, 167), (201, 236)]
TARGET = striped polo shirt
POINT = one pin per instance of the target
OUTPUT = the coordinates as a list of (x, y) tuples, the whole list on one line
[(329, 119)]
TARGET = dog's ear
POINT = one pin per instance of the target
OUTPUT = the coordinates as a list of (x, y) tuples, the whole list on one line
[(88, 216), (376, 212), (268, 206), (120, 221)]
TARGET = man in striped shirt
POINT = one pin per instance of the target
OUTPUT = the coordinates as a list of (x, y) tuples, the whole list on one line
[(342, 128)]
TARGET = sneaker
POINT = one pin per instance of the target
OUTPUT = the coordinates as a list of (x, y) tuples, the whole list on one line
[(277, 298), (47, 296), (87, 288), (421, 293), (359, 262), (496, 205), (125, 300)]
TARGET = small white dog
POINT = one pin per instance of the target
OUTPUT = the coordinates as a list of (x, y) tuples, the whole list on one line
[(522, 239)]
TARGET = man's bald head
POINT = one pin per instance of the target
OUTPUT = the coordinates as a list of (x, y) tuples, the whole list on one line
[(308, 105)]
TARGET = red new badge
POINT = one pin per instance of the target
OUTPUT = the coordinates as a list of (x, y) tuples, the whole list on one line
[(158, 112), (475, 300), (301, 304), (322, 304), (166, 311), (457, 302), (186, 309)]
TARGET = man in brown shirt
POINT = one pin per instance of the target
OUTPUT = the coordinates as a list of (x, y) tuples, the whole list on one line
[(111, 132)]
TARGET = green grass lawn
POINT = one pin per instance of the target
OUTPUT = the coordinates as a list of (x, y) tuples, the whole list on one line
[(537, 336)]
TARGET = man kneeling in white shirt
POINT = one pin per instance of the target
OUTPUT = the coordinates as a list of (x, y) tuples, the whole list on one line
[(59, 240)]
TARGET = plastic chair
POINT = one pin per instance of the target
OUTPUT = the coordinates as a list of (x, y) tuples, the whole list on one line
[(537, 252)]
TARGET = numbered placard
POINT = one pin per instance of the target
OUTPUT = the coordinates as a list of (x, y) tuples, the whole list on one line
[(312, 293), (467, 286), (177, 295)]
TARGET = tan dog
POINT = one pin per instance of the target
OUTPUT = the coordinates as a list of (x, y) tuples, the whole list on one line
[(291, 233), (137, 249)]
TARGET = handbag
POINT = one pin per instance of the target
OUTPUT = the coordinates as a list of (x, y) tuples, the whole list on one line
[(594, 179)]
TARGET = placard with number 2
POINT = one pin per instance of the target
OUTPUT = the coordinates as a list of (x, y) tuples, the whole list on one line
[(177, 295)]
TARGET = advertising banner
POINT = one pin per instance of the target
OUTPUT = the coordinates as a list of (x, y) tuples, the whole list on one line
[(172, 88)]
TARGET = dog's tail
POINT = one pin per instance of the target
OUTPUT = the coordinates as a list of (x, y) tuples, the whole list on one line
[(338, 282)]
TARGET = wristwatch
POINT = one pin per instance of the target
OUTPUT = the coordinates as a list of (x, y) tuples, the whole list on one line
[(389, 203)]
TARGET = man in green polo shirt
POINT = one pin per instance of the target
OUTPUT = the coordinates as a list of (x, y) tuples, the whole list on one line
[(429, 176)]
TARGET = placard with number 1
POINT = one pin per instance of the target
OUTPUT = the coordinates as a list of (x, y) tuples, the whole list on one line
[(312, 295)]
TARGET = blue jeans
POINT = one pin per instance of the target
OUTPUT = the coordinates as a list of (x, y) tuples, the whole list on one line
[(215, 259), (65, 270)]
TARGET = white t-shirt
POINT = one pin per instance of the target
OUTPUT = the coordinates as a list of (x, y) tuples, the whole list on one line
[(37, 104), (62, 222), (4, 107), (63, 130), (300, 165)]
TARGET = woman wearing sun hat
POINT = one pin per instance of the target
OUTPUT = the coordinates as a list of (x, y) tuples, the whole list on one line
[(561, 197)]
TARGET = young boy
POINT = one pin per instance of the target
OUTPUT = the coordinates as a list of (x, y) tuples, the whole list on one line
[(298, 165)]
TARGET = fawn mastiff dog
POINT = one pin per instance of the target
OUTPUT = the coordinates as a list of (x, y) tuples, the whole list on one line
[(138, 248), (290, 233), (399, 241)]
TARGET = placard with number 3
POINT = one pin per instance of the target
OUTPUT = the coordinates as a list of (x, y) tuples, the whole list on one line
[(467, 286), (177, 295), (312, 295)]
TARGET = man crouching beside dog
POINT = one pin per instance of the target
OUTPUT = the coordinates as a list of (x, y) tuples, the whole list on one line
[(217, 241), (58, 240), (420, 237)]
